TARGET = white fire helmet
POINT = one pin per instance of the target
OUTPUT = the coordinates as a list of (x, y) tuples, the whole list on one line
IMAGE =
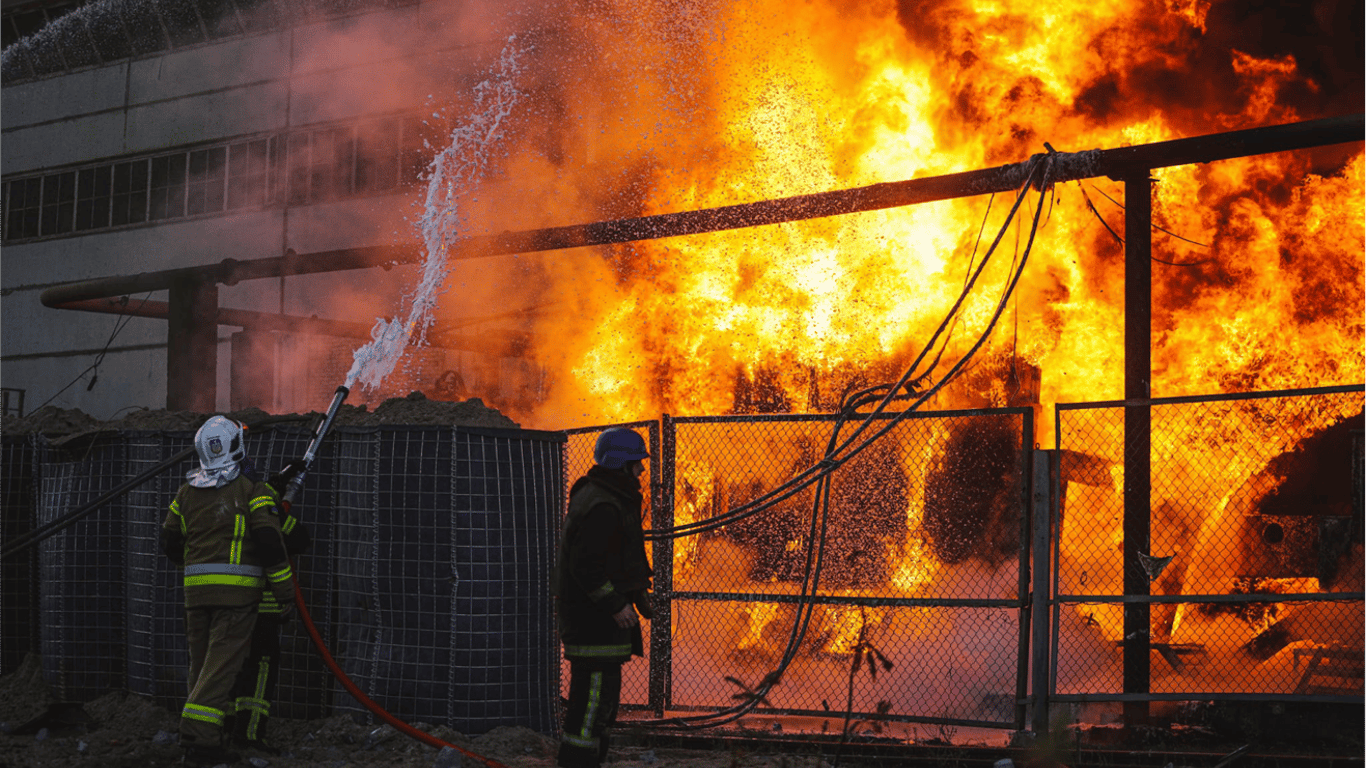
[(221, 446)]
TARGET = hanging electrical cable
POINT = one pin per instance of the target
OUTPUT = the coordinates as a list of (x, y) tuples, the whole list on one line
[(822, 471), (1038, 175)]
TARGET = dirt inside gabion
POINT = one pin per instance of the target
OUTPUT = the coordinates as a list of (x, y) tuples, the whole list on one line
[(415, 409), (121, 730)]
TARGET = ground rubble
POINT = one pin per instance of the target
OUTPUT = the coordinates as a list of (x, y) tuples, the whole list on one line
[(123, 730)]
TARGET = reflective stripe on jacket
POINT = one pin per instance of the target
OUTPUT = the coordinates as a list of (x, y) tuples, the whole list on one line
[(215, 524)]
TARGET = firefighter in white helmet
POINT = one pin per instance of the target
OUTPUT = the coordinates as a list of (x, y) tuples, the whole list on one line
[(257, 681), (223, 528)]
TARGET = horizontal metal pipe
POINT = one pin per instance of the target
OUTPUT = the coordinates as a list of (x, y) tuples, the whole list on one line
[(1122, 161), (232, 271), (268, 321)]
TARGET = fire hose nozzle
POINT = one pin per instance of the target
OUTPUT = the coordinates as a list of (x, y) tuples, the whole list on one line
[(296, 483)]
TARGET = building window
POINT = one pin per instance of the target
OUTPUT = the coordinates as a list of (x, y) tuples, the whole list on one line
[(167, 197), (416, 152), (248, 173), (297, 168), (93, 197), (297, 162), (130, 193), (334, 163), (208, 169), (25, 202), (377, 156), (59, 203)]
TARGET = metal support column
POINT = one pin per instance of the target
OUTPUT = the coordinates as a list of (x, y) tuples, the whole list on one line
[(192, 346), (1137, 436), (662, 517), (1043, 502)]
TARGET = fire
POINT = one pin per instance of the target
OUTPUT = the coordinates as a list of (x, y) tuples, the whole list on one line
[(1257, 281), (855, 97)]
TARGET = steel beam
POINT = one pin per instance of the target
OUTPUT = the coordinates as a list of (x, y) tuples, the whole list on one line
[(192, 347), (270, 321), (1045, 499), (1138, 332)]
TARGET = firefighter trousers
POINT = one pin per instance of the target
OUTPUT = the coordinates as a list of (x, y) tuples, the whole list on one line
[(219, 638), (255, 686), (594, 694)]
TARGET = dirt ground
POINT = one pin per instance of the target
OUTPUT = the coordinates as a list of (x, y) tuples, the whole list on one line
[(120, 730)]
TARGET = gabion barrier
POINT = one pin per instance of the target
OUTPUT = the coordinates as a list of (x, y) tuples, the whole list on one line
[(18, 574), (428, 576)]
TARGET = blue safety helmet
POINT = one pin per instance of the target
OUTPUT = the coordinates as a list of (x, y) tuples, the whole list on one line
[(617, 446)]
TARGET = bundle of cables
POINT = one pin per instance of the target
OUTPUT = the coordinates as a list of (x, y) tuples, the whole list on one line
[(909, 388)]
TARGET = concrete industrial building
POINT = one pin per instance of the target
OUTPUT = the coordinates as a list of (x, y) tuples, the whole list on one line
[(145, 136)]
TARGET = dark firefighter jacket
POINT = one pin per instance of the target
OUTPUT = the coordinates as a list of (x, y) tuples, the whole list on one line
[(228, 539), (601, 567)]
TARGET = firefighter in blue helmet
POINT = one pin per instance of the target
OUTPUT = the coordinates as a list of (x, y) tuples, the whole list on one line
[(223, 529), (601, 580)]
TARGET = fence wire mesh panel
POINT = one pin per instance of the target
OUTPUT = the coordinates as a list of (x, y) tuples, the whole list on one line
[(19, 577), (922, 558), (82, 584), (507, 501), (1254, 567), (445, 540), (578, 458), (157, 654), (354, 509)]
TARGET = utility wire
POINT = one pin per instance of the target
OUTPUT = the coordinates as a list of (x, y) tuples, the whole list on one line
[(119, 325), (820, 508), (1119, 239), (1155, 226), (844, 452)]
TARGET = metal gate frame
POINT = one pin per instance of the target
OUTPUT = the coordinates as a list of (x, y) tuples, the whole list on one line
[(1039, 603), (1139, 602), (663, 440)]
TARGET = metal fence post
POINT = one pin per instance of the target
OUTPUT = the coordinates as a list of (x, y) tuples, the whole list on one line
[(662, 517), (1138, 332), (1041, 514), (1022, 589)]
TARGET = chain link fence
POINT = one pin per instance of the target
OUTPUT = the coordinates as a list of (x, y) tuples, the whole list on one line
[(923, 564), (937, 559), (1250, 581)]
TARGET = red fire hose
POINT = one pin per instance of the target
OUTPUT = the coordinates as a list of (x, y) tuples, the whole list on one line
[(295, 484), (366, 701)]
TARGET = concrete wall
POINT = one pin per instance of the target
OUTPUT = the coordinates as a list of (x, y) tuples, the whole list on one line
[(244, 87)]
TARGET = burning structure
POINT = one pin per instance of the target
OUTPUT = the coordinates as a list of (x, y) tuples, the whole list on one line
[(252, 131)]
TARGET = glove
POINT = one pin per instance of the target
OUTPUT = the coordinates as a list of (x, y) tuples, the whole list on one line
[(642, 603), (280, 480), (287, 612)]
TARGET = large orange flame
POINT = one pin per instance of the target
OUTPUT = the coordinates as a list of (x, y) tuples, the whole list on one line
[(817, 96)]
